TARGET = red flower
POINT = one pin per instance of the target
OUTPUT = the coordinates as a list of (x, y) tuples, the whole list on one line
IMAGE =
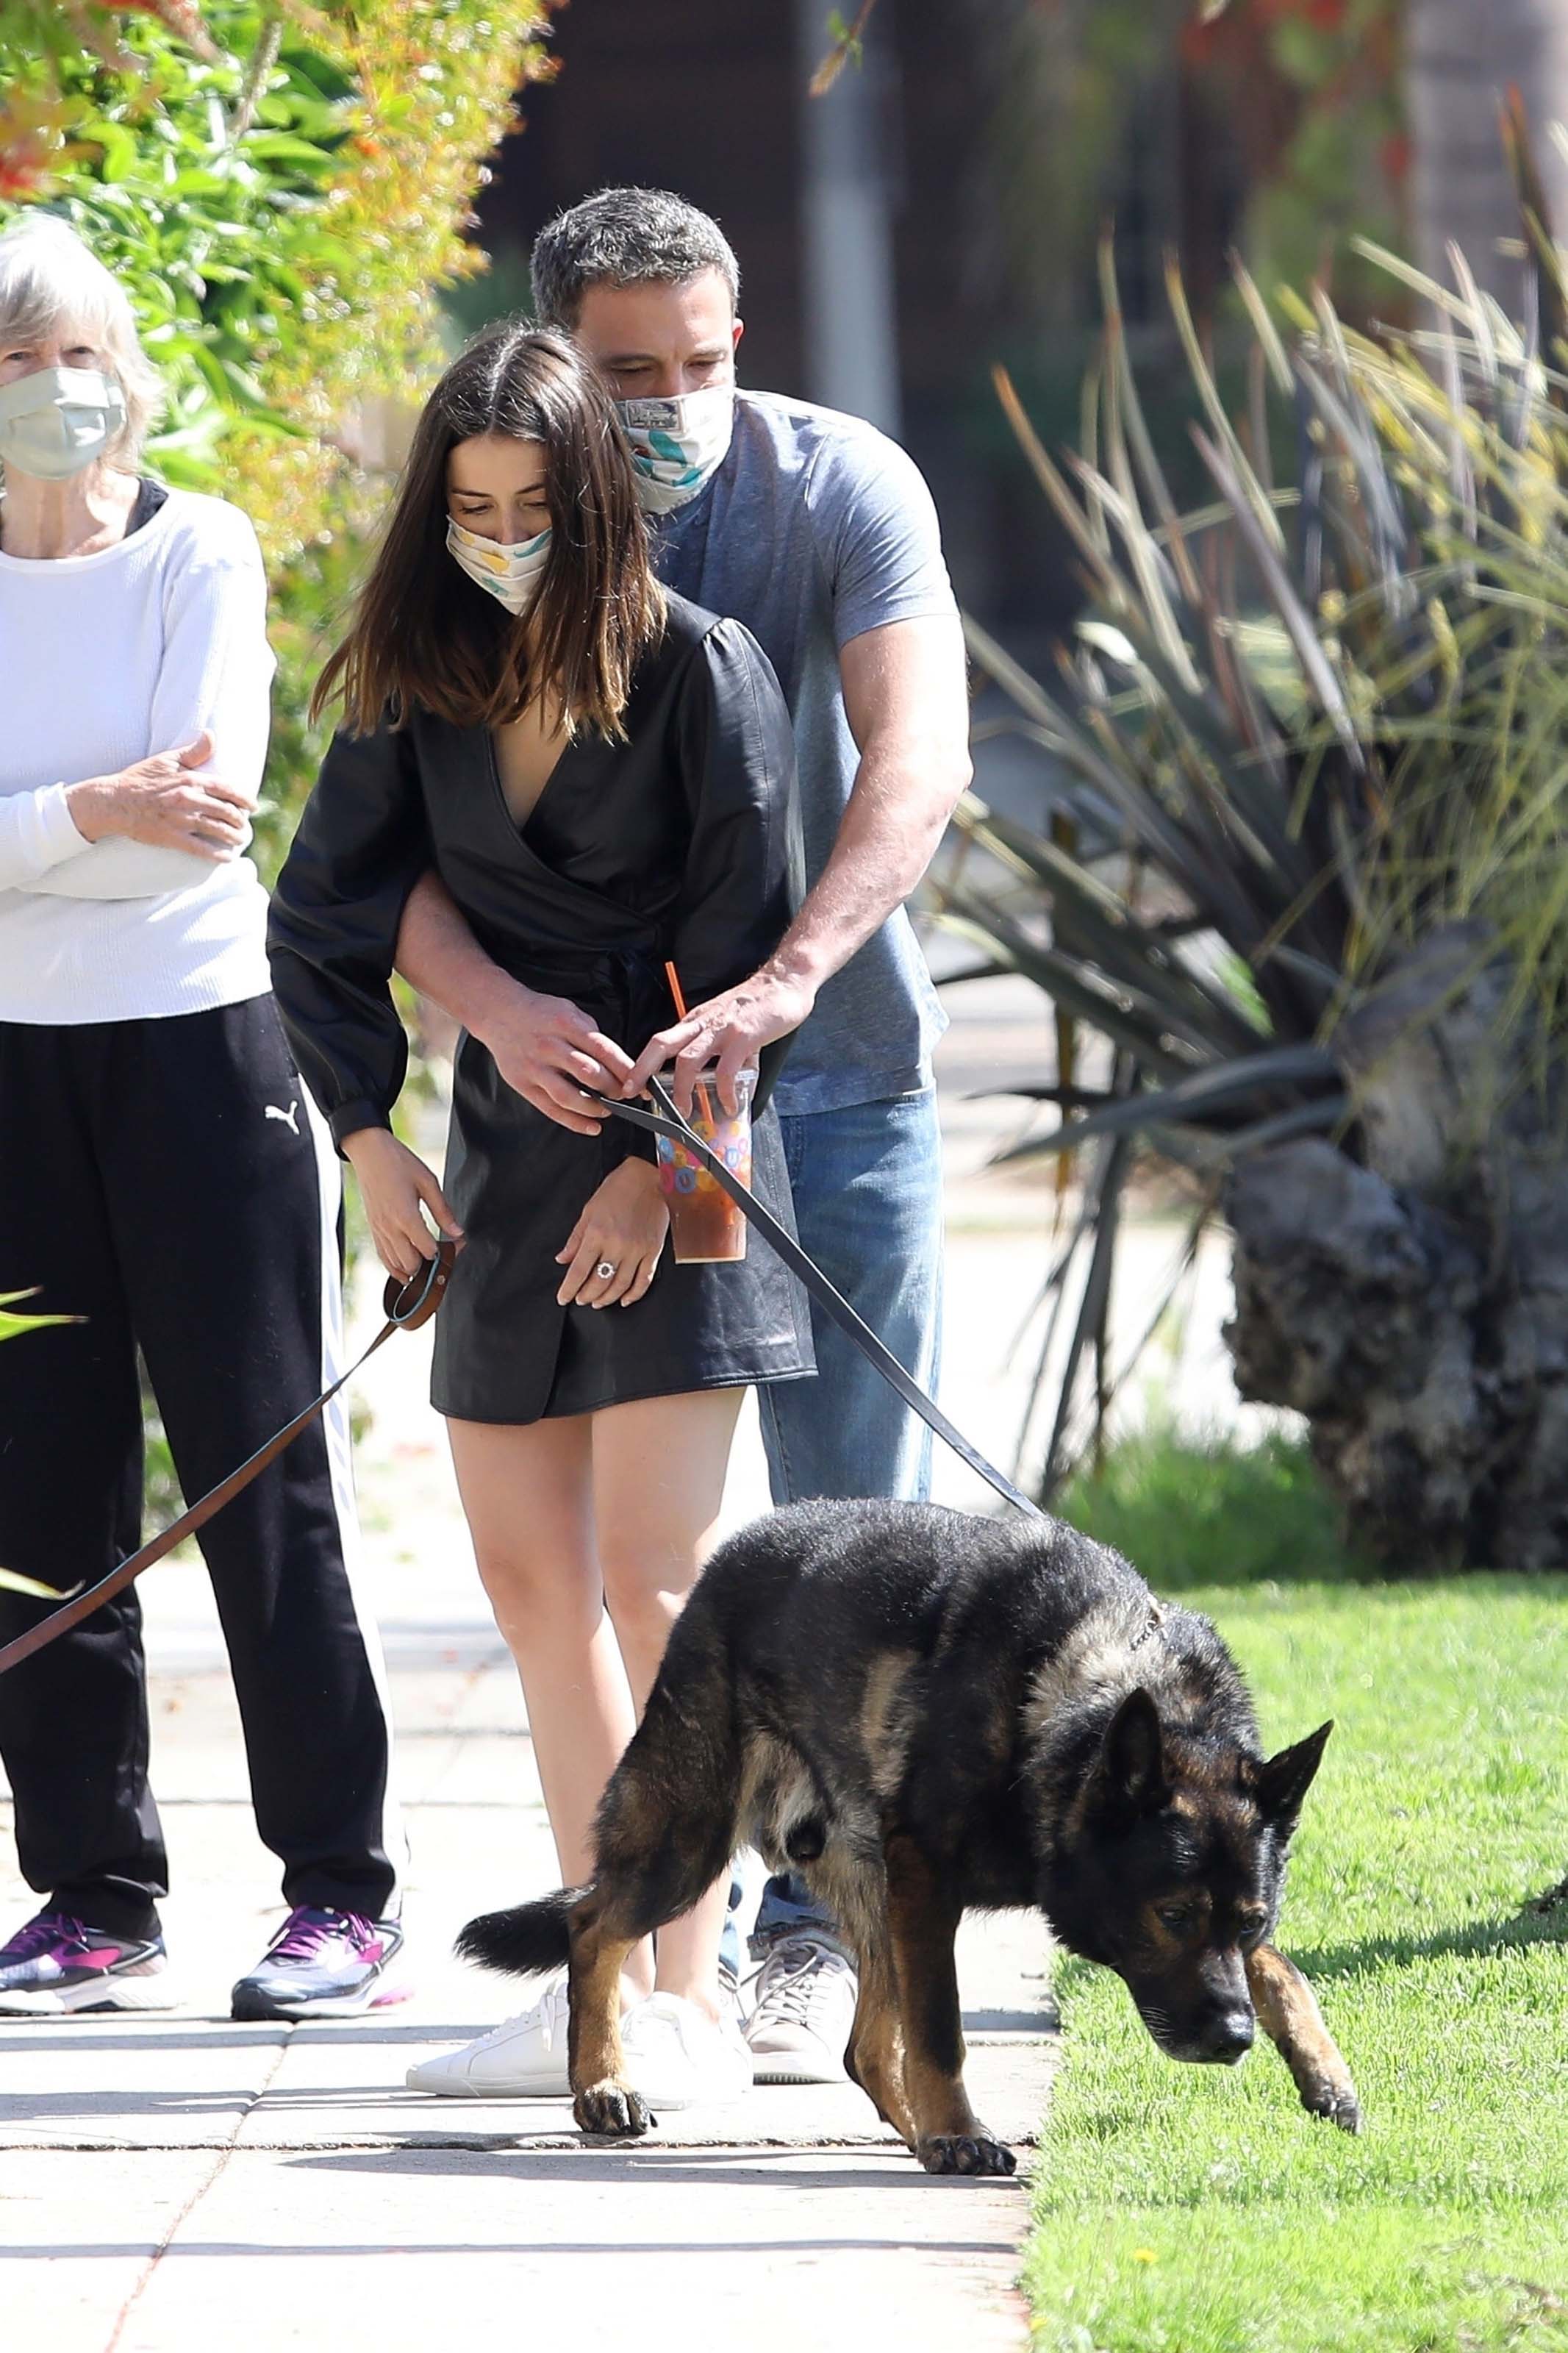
[(19, 173), (30, 143)]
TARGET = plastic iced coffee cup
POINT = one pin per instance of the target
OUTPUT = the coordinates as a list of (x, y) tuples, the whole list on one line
[(705, 1225)]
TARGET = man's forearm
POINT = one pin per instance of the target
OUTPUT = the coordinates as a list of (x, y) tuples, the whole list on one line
[(902, 797), (892, 825), (440, 955), (545, 1048)]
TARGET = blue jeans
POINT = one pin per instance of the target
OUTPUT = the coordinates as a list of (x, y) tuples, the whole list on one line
[(866, 1182)]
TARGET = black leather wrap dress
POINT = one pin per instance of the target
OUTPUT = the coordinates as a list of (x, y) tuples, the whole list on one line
[(681, 842)]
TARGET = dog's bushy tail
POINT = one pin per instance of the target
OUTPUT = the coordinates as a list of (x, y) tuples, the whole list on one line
[(525, 1941)]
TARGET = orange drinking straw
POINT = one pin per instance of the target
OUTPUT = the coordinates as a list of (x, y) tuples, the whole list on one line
[(676, 991)]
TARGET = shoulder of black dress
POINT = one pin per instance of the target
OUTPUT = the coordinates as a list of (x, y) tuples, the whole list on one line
[(686, 624)]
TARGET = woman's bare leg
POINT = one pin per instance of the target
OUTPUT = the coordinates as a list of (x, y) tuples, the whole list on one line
[(528, 1495), (658, 1469)]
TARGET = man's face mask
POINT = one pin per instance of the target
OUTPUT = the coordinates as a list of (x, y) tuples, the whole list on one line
[(55, 422), (512, 575), (679, 444)]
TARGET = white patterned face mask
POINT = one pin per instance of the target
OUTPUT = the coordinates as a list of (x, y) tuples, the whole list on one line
[(512, 574), (678, 444), (55, 422)]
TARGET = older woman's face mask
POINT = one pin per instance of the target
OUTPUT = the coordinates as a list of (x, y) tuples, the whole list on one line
[(57, 421)]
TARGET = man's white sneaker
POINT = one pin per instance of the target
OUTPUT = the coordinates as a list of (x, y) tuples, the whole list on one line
[(678, 2058), (802, 2012), (523, 2058)]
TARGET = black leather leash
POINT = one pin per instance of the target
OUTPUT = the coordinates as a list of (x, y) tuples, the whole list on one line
[(667, 1122), (405, 1305)]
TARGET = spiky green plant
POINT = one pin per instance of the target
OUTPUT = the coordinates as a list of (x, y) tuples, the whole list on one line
[(13, 1325), (1303, 736)]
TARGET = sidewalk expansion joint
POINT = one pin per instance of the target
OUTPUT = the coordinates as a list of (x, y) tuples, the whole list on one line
[(213, 2175)]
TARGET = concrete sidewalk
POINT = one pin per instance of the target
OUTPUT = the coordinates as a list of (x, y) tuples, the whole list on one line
[(177, 2178)]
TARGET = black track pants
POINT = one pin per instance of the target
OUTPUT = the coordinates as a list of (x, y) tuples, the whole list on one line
[(162, 1179)]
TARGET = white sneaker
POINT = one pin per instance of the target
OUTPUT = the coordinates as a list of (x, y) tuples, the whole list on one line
[(678, 2058), (802, 2013), (523, 2058)]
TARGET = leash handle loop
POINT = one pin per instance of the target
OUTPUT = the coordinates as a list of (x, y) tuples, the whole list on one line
[(412, 1300)]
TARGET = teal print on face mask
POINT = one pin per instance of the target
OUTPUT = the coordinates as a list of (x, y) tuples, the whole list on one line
[(679, 444), (666, 454), (58, 421), (511, 575)]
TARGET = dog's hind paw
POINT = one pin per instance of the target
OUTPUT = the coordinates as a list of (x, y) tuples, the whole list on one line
[(964, 2153), (1337, 2104), (612, 2110)]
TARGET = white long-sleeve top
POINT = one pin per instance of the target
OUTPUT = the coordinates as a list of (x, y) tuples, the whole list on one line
[(105, 659)]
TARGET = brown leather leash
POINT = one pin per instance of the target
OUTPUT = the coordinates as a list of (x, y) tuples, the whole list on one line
[(413, 1302), (405, 1305)]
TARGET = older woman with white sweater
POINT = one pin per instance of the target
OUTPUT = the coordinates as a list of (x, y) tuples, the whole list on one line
[(164, 1179)]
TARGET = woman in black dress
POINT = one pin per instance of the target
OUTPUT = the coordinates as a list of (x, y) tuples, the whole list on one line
[(603, 777)]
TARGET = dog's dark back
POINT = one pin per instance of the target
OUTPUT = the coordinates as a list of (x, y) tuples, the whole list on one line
[(907, 1641), (925, 1711)]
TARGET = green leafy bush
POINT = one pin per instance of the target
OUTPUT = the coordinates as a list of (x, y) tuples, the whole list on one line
[(282, 190)]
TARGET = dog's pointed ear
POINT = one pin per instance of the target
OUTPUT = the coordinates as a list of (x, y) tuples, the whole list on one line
[(1284, 1780), (1133, 1759)]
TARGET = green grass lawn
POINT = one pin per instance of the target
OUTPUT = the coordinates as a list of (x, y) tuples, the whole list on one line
[(1187, 2209)]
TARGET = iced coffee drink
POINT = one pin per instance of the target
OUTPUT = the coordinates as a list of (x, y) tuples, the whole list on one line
[(705, 1225)]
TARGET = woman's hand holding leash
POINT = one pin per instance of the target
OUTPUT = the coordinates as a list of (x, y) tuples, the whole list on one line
[(162, 802), (613, 1252), (548, 1051), (397, 1188)]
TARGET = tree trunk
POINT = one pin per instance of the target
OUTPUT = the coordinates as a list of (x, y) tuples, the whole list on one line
[(1461, 58), (1414, 1304)]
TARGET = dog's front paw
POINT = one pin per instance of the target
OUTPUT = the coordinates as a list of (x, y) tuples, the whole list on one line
[(964, 2153), (1336, 2103), (613, 2110)]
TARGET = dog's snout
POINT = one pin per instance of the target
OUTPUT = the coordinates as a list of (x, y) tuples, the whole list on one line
[(1228, 2036)]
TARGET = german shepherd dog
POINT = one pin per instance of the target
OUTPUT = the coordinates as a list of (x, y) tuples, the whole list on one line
[(921, 1712)]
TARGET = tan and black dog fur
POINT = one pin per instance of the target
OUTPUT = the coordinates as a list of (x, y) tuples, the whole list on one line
[(923, 1712)]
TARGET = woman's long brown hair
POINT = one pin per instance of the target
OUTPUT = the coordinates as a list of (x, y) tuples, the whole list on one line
[(423, 634)]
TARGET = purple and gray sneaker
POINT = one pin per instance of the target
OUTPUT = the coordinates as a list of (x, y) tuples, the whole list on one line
[(57, 1962), (322, 1964)]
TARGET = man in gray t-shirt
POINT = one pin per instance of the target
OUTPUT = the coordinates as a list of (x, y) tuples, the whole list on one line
[(817, 533)]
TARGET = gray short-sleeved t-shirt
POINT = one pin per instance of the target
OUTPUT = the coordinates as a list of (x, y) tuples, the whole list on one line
[(816, 528)]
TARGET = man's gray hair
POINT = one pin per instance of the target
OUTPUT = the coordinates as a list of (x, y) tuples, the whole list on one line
[(48, 280), (625, 236)]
